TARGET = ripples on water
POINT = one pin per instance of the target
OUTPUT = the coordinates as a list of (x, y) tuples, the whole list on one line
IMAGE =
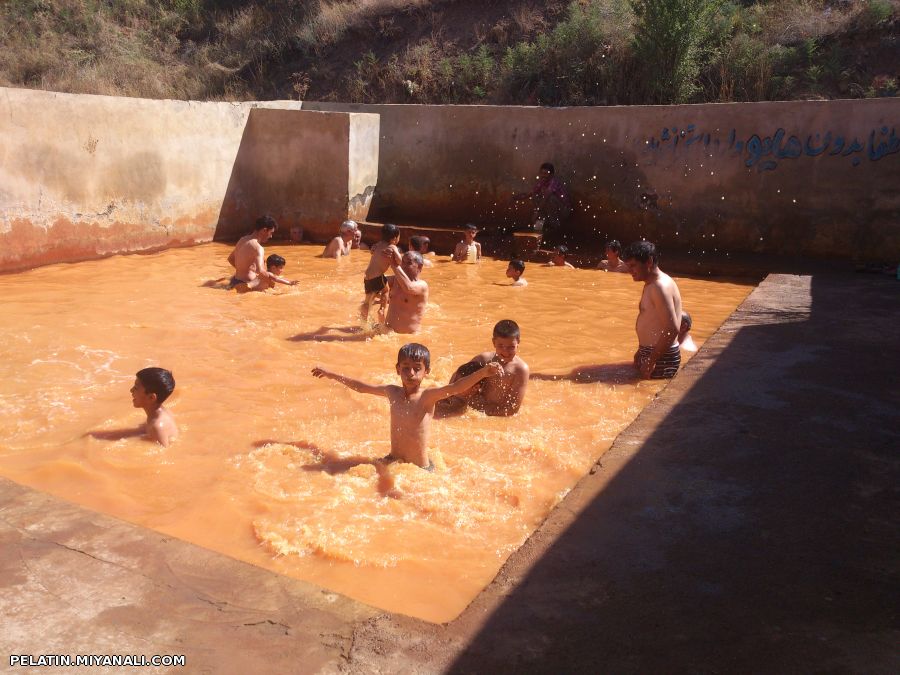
[(275, 467)]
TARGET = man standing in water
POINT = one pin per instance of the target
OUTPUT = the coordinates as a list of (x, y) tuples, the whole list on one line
[(248, 257), (500, 395), (659, 315), (552, 205), (409, 294)]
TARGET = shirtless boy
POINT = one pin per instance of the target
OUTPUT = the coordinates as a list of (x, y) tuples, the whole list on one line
[(411, 406), (559, 258), (375, 282), (274, 266), (468, 250), (659, 315), (409, 294), (500, 396), (685, 341), (248, 256), (514, 271), (341, 244), (151, 387), (420, 243), (612, 262)]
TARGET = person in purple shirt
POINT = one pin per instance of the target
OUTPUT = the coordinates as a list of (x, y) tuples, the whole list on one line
[(552, 205)]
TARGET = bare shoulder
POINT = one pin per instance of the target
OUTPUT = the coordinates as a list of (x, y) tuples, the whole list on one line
[(519, 367)]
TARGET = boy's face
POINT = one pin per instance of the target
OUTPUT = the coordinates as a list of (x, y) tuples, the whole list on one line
[(611, 254), (506, 348), (470, 235), (639, 271), (513, 273), (140, 397), (276, 269), (411, 373)]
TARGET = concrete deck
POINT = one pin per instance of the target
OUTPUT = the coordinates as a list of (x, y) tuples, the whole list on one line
[(746, 522)]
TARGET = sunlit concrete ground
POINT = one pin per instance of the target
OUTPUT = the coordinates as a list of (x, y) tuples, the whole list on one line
[(746, 522)]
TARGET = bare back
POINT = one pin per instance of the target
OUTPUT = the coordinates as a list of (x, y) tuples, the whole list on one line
[(659, 310), (248, 258), (380, 263)]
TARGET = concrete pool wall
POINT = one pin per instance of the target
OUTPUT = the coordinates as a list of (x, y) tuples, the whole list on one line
[(817, 178), (85, 176)]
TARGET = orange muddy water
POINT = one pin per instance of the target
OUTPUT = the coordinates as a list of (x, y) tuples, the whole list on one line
[(257, 473)]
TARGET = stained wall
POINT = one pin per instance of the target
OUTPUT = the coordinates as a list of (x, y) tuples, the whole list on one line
[(813, 178)]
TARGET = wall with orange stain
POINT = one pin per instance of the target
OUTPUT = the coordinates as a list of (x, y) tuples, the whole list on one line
[(84, 176)]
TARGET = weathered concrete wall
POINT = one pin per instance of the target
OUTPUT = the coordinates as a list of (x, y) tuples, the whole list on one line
[(307, 169), (86, 176), (817, 178)]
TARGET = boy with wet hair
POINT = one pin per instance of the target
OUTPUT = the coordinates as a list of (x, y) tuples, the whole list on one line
[(375, 282), (274, 266), (559, 258), (468, 250), (420, 243), (411, 406), (496, 396), (152, 386), (613, 261), (514, 271), (659, 314)]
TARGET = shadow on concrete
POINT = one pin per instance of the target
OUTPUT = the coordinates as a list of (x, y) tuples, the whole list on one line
[(746, 522)]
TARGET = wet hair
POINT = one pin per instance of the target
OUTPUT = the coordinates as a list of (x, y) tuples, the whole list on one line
[(389, 232), (614, 245), (264, 223), (507, 328), (471, 226), (348, 226), (415, 352), (686, 320), (417, 242), (642, 251), (415, 255), (275, 260), (157, 381), (562, 250), (518, 265), (549, 167)]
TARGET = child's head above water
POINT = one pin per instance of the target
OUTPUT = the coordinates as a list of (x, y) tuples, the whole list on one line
[(275, 264), (419, 243), (470, 231), (613, 246), (152, 386), (516, 269), (506, 340), (413, 364), (390, 233), (559, 254)]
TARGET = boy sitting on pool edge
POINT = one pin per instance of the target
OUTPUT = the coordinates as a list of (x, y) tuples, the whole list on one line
[(411, 406), (152, 386)]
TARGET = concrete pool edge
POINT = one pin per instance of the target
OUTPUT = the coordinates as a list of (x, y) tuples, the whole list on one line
[(99, 585)]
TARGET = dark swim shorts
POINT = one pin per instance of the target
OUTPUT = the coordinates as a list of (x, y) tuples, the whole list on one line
[(234, 281), (375, 284), (666, 365)]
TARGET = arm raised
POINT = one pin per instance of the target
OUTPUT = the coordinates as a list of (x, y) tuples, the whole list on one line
[(355, 385), (463, 384)]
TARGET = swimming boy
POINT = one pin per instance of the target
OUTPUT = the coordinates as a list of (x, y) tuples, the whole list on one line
[(420, 243), (409, 294), (514, 271), (151, 387), (659, 314), (375, 282), (411, 406), (468, 250), (613, 262), (500, 396), (248, 256), (685, 341), (342, 243), (274, 266), (559, 258)]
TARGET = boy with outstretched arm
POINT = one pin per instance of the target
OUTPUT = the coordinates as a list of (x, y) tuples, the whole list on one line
[(411, 406), (152, 386), (275, 267)]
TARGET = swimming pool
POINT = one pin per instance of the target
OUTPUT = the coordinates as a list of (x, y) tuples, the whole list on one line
[(253, 474)]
